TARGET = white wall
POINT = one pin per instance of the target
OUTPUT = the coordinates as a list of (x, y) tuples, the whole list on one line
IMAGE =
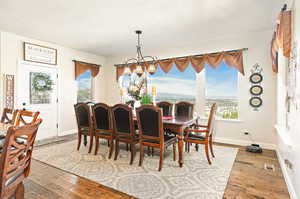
[(288, 139), (259, 123), (12, 52)]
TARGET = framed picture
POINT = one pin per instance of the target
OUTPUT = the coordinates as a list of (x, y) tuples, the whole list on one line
[(256, 90), (255, 102), (40, 54), (256, 78)]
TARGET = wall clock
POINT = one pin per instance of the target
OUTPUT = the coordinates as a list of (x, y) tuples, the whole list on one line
[(256, 90), (256, 78), (255, 102)]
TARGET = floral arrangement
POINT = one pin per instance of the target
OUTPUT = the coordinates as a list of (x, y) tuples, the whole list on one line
[(136, 89)]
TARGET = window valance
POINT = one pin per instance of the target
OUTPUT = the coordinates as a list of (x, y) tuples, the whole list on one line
[(82, 67), (231, 58), (282, 38)]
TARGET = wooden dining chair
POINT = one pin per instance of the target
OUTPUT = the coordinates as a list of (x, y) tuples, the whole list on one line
[(16, 158), (9, 116), (203, 134), (103, 126), (84, 124), (24, 117), (184, 109), (151, 132), (124, 129), (166, 107)]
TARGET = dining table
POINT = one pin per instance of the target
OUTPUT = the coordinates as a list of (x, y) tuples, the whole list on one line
[(178, 124)]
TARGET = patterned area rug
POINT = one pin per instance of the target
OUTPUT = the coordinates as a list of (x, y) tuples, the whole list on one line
[(197, 179)]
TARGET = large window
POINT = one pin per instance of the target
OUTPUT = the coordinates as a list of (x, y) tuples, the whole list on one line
[(221, 87), (84, 87), (175, 85)]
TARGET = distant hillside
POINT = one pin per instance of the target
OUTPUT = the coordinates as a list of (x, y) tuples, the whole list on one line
[(176, 96)]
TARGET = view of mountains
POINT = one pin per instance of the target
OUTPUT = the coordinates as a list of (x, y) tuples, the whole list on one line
[(178, 97)]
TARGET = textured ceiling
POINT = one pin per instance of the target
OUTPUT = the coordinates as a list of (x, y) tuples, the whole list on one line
[(107, 27)]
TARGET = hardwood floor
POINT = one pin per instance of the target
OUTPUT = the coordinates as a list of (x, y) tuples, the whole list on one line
[(248, 180)]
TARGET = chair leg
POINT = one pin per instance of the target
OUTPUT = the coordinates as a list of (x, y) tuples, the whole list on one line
[(117, 149), (132, 149), (148, 151), (97, 145), (174, 152), (91, 143), (211, 148), (197, 147), (85, 140), (79, 141), (188, 146), (111, 148), (141, 155), (207, 153), (20, 191), (127, 147), (152, 151), (161, 158)]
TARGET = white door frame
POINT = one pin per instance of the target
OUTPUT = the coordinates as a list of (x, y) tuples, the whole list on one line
[(20, 62)]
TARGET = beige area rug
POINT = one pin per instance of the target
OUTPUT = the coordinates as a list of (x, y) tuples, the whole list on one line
[(197, 179)]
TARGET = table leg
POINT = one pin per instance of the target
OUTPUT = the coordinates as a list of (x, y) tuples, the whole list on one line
[(180, 147)]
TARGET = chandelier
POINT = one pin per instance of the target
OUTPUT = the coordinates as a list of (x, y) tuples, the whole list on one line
[(140, 60)]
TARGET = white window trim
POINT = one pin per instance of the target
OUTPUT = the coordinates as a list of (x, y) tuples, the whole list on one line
[(201, 98)]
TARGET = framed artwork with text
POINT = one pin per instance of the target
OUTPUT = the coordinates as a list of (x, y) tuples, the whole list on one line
[(40, 54)]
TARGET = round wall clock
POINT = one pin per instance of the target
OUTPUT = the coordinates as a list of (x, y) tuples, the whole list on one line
[(256, 78), (256, 90), (255, 102)]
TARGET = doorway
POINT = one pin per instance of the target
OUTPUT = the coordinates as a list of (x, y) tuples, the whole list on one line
[(37, 91)]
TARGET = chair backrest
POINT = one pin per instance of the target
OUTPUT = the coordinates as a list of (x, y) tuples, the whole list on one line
[(211, 119), (150, 123), (90, 103), (26, 117), (83, 115), (166, 107), (9, 116), (123, 120), (185, 109), (16, 156), (102, 117)]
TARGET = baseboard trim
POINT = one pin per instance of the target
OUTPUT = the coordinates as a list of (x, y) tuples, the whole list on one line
[(68, 132), (245, 143), (287, 178)]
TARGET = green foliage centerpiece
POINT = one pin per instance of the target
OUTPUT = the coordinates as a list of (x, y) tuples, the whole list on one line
[(146, 99)]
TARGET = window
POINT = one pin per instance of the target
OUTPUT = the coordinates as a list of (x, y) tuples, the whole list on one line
[(84, 87), (175, 85), (221, 87)]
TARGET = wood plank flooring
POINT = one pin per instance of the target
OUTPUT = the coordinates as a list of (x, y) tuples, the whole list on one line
[(248, 180)]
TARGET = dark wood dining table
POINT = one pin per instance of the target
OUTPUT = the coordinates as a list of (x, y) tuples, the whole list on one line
[(178, 124)]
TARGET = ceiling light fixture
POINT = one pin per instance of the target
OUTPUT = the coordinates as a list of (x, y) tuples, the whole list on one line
[(140, 61)]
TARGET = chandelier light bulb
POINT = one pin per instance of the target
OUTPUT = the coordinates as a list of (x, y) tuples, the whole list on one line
[(139, 70), (127, 71), (152, 69)]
